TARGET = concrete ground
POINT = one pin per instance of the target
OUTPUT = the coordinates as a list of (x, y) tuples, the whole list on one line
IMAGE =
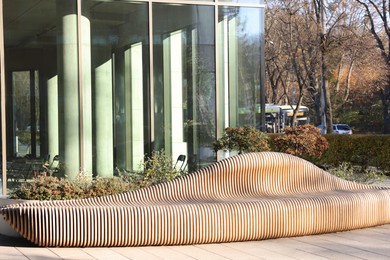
[(369, 243)]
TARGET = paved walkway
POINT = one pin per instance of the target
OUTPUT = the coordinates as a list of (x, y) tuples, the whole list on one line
[(370, 243)]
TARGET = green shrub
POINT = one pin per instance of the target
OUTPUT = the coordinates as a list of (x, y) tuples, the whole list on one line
[(303, 141), (53, 188), (242, 139), (357, 173), (359, 150), (49, 188), (108, 186), (158, 168)]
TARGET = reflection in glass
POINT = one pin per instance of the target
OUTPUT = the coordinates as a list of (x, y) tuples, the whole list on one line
[(30, 62), (108, 120), (119, 39), (184, 82), (240, 33), (25, 87)]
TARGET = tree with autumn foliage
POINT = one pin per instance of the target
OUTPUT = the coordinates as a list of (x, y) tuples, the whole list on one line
[(358, 74), (297, 47), (322, 54), (377, 21), (304, 140)]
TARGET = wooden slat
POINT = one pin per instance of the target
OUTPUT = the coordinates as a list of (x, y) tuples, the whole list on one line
[(248, 197)]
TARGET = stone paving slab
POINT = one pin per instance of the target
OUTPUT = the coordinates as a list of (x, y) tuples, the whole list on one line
[(370, 243)]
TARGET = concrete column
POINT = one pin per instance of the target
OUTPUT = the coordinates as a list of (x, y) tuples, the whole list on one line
[(87, 94), (52, 117), (167, 95), (137, 106), (173, 96), (103, 114), (68, 88), (127, 106), (233, 72), (68, 83), (223, 86)]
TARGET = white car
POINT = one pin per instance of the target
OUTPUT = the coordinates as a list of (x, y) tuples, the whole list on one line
[(342, 129)]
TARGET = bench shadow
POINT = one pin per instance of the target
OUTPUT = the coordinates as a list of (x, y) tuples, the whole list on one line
[(15, 241)]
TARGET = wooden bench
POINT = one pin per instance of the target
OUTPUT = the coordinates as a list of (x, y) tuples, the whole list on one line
[(247, 197)]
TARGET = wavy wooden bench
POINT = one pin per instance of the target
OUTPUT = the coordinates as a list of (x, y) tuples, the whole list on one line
[(248, 197)]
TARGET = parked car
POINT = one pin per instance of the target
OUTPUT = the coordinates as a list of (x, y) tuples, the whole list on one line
[(342, 129)]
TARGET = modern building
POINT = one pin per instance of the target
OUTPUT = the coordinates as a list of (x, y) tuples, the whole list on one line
[(102, 83)]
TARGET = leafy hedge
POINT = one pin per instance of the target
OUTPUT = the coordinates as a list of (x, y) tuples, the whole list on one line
[(359, 150), (362, 150)]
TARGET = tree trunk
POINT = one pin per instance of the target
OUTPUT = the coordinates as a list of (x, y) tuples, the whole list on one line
[(328, 110), (326, 104), (294, 119), (348, 84), (339, 73)]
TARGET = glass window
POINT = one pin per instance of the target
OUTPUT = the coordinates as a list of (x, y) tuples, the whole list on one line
[(35, 68), (81, 88), (240, 35), (25, 86), (184, 82), (120, 73)]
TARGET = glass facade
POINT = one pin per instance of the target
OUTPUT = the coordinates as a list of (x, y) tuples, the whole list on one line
[(120, 73), (104, 83), (184, 81), (240, 32)]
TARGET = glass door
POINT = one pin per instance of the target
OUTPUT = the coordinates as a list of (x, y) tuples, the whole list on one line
[(25, 89)]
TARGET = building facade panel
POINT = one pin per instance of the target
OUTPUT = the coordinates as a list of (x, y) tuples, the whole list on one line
[(102, 84)]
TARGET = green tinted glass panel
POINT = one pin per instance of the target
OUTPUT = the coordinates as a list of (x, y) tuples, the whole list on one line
[(240, 34), (120, 71), (184, 82)]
